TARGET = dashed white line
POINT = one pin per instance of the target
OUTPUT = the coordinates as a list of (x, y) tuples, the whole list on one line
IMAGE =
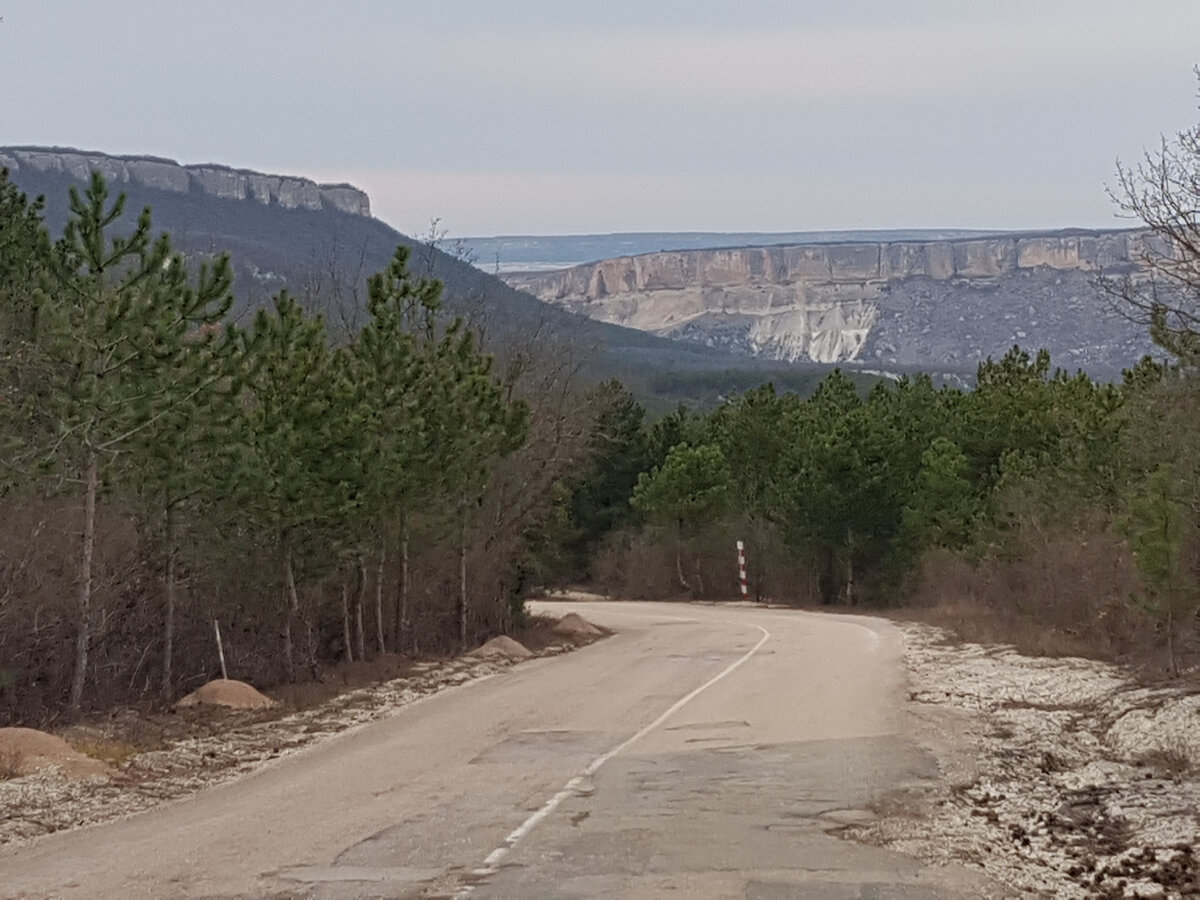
[(491, 862)]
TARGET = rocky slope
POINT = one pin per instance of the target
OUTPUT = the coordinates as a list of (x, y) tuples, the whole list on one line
[(933, 304)]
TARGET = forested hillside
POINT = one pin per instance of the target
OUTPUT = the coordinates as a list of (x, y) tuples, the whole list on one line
[(324, 257), (1042, 501), (165, 470)]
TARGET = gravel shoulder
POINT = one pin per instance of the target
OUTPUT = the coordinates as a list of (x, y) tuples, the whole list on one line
[(156, 758), (1061, 777)]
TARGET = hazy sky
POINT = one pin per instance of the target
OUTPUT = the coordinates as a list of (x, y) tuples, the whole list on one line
[(569, 116)]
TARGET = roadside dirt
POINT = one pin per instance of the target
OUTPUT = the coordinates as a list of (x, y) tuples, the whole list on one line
[(161, 756), (1061, 777), (229, 693), (24, 751)]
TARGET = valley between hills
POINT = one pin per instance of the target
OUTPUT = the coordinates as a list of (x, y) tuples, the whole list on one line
[(894, 302)]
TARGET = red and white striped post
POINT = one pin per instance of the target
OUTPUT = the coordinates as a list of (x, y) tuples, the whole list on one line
[(741, 549)]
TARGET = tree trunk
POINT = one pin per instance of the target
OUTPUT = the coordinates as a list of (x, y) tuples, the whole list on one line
[(293, 597), (314, 667), (169, 612), (402, 623), (379, 598), (84, 604), (683, 582), (462, 581), (287, 639), (359, 602), (699, 580), (829, 584), (1171, 661), (850, 581), (760, 571), (346, 619)]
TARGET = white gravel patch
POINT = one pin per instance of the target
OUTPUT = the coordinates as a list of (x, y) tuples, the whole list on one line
[(48, 802), (1062, 777)]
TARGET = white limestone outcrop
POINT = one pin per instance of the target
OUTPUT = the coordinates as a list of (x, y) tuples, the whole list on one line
[(219, 181)]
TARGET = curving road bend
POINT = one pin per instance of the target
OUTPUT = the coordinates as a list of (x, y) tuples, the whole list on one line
[(701, 751)]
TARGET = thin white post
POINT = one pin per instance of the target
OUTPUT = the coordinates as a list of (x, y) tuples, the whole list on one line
[(741, 553), (220, 650)]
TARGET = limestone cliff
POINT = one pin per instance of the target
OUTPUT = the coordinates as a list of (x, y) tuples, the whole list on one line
[(164, 174), (863, 302)]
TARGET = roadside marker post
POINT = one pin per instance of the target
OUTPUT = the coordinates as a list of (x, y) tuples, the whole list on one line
[(741, 551)]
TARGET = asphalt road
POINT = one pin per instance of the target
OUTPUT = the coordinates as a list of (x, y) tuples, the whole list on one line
[(701, 751)]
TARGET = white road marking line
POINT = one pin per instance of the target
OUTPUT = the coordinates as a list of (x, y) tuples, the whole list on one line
[(492, 862)]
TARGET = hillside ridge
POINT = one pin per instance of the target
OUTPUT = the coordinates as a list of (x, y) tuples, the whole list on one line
[(213, 179), (324, 255)]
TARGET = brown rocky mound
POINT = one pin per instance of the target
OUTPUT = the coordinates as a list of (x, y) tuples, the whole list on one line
[(24, 751), (501, 646), (574, 625), (228, 693)]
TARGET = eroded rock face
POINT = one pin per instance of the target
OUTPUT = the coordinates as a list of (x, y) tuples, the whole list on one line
[(870, 302), (167, 175)]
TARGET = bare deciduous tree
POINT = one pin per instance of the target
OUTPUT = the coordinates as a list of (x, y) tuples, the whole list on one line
[(1163, 191)]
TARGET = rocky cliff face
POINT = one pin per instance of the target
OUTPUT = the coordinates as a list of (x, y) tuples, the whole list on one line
[(167, 175), (946, 304)]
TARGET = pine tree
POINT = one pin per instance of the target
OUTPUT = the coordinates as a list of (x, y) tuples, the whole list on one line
[(296, 483), (177, 455), (386, 365), (1155, 527), (117, 315), (25, 259), (437, 416), (472, 421), (693, 487)]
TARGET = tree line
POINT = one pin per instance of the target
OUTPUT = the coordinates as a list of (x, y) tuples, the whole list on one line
[(163, 468), (1052, 498), (854, 498)]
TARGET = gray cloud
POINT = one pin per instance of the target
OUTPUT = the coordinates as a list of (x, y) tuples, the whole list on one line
[(546, 116)]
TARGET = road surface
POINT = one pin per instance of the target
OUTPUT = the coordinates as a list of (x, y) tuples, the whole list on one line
[(701, 751)]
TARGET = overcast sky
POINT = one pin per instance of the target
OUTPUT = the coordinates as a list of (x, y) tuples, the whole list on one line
[(574, 116)]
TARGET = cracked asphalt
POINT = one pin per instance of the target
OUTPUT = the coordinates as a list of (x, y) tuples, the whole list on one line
[(701, 751)]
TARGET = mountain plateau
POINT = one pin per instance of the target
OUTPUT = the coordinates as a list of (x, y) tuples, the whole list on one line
[(288, 192), (936, 304)]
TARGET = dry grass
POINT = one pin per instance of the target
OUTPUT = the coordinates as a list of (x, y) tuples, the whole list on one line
[(979, 624), (112, 752), (337, 678), (639, 563), (1066, 594)]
